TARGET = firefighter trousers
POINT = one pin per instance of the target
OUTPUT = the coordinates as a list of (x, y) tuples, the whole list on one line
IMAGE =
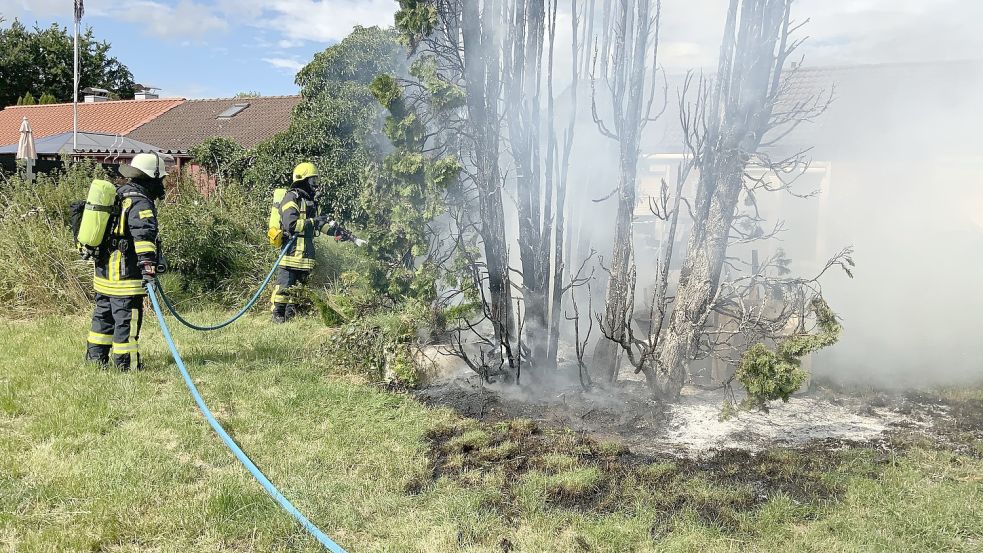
[(285, 297), (115, 329)]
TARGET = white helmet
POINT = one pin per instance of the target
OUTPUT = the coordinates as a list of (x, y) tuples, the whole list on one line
[(145, 165)]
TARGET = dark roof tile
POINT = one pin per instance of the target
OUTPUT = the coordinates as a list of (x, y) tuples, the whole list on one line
[(195, 121)]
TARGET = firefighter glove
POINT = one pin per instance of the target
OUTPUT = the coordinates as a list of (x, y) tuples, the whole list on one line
[(149, 271)]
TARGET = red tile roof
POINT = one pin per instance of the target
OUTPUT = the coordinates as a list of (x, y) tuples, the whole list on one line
[(113, 117)]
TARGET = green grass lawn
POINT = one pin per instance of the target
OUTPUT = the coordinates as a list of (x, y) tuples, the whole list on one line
[(96, 460)]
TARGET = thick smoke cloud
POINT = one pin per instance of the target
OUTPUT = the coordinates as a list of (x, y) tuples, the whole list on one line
[(899, 158), (908, 193)]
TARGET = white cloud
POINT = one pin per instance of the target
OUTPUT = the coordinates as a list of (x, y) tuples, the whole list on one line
[(287, 44), (28, 11), (186, 19), (285, 63), (322, 21)]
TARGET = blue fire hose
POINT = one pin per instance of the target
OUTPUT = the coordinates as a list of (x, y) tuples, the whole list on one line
[(236, 450), (249, 305)]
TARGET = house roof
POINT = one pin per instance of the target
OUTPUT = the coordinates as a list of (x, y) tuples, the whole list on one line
[(89, 143), (190, 123), (113, 117)]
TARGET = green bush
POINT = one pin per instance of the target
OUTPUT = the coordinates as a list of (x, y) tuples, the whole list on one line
[(380, 346), (221, 157), (769, 375), (217, 243), (40, 269)]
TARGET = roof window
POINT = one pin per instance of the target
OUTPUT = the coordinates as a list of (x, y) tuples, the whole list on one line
[(234, 110)]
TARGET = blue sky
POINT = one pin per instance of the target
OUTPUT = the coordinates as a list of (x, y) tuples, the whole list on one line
[(216, 48), (212, 48)]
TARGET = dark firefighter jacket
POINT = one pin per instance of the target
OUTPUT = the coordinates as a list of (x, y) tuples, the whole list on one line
[(132, 240), (297, 211)]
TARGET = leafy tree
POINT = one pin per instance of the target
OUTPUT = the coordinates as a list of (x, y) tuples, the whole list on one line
[(406, 192), (336, 125), (26, 100), (40, 60), (47, 98)]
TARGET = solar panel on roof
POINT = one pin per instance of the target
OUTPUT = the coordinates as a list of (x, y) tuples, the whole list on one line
[(233, 111)]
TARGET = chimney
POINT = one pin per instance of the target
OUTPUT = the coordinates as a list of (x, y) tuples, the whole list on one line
[(94, 95), (144, 92)]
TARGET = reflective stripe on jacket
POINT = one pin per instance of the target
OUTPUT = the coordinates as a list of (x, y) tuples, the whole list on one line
[(296, 211), (133, 240)]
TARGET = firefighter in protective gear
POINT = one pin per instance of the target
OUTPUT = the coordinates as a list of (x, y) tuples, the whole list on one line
[(298, 218), (128, 261)]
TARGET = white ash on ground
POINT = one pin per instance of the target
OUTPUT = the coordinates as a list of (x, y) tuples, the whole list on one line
[(690, 428), (695, 425)]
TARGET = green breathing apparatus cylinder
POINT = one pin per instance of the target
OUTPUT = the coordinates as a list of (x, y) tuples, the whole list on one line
[(274, 232), (99, 206)]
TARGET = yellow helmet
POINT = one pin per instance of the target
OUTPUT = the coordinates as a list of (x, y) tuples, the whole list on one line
[(303, 171)]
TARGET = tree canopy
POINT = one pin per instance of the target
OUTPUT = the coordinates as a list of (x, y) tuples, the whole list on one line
[(336, 126), (39, 61)]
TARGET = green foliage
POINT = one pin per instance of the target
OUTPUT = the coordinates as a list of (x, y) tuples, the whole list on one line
[(40, 60), (444, 172), (215, 242), (829, 333), (415, 19), (40, 270), (335, 126), (248, 94), (727, 412), (769, 375), (26, 100), (379, 346), (443, 95), (47, 98), (222, 157), (406, 193), (386, 90)]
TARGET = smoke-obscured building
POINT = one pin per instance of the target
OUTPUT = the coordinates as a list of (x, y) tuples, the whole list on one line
[(896, 172)]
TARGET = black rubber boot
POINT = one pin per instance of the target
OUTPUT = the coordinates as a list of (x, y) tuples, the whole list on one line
[(279, 313), (97, 355), (103, 362), (290, 312), (125, 362)]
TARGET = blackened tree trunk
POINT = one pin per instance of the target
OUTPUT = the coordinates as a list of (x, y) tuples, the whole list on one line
[(522, 76), (540, 166), (738, 114), (482, 70), (631, 46), (558, 285)]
